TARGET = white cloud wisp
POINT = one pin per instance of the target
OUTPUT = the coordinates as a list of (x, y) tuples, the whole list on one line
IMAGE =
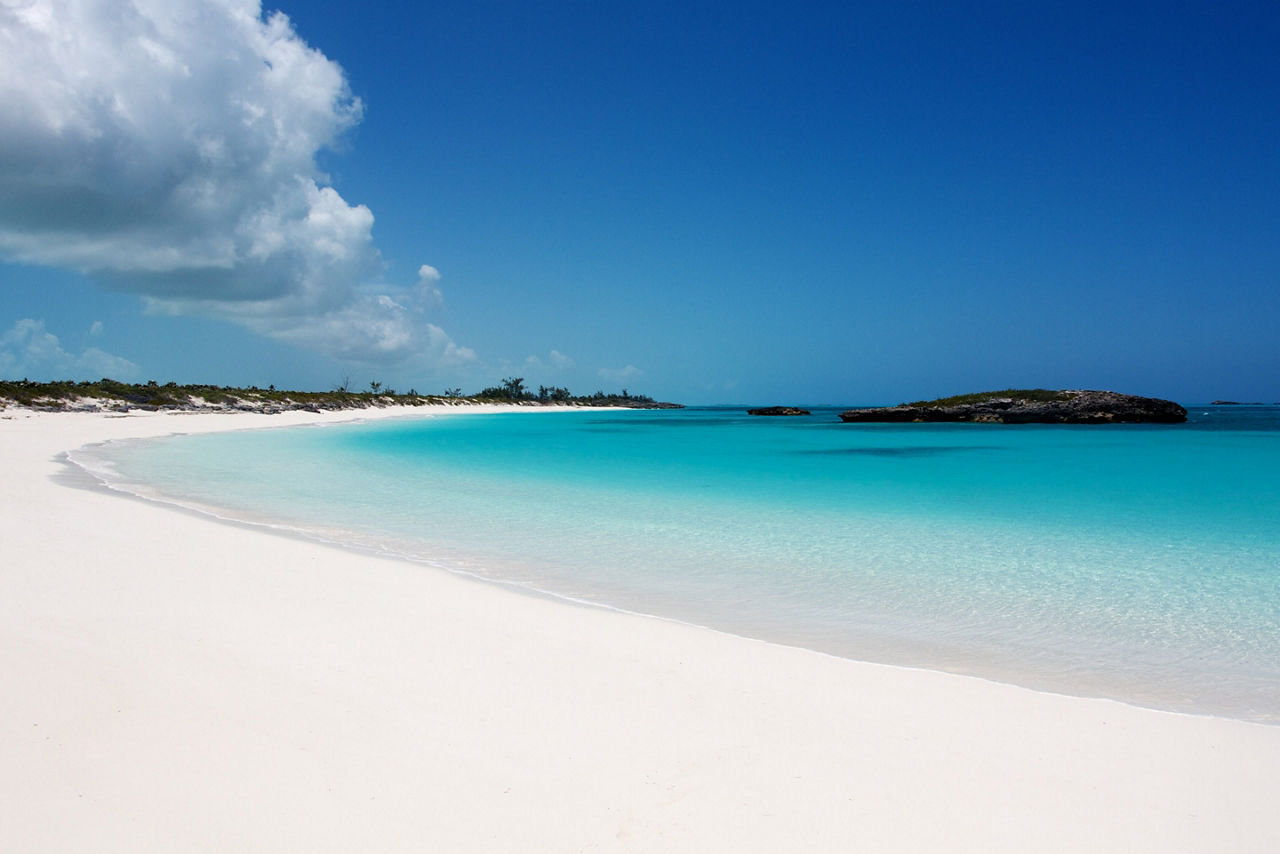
[(167, 148), (618, 375)]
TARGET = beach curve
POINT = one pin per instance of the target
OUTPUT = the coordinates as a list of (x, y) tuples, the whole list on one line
[(176, 684)]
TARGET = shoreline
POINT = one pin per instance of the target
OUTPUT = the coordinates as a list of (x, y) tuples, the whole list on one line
[(910, 647), (185, 685), (1009, 674)]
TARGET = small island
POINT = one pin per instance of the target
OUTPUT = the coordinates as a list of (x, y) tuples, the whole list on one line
[(1029, 406), (778, 410)]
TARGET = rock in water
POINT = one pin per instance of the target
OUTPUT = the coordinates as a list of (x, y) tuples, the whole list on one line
[(1030, 406), (778, 410)]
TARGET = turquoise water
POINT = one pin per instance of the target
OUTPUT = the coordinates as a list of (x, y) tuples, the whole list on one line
[(1128, 561)]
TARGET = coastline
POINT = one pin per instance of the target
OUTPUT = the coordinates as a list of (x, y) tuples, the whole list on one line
[(184, 685)]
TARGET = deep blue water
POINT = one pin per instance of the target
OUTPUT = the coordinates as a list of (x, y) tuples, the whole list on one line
[(1140, 562)]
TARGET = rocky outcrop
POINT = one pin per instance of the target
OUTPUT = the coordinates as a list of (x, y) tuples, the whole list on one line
[(1034, 406), (778, 410)]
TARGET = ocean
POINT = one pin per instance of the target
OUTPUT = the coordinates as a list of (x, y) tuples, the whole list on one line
[(1136, 562)]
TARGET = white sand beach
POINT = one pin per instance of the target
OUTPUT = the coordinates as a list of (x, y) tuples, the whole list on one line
[(172, 683)]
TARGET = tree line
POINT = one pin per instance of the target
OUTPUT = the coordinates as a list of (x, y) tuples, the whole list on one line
[(513, 389), (153, 395)]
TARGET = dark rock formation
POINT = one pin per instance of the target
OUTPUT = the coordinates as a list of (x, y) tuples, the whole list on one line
[(1031, 407), (778, 410)]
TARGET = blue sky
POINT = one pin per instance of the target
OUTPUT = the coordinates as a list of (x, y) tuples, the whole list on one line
[(707, 202)]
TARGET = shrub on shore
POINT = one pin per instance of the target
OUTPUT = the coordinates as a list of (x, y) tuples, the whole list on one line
[(1042, 395), (111, 394)]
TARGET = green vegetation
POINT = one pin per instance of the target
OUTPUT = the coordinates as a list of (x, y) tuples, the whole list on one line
[(110, 394), (1041, 395), (513, 390)]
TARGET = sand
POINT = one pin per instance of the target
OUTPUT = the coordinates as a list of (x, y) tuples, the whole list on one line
[(171, 683)]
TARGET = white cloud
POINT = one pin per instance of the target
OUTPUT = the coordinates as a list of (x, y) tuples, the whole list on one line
[(429, 285), (449, 353), (28, 350), (97, 364), (556, 361), (167, 148), (618, 375), (96, 328)]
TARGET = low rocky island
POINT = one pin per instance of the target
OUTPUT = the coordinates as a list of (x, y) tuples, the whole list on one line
[(1029, 406), (778, 410)]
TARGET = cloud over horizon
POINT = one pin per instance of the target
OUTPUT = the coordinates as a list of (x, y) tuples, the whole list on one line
[(554, 363), (617, 375), (167, 148), (28, 349)]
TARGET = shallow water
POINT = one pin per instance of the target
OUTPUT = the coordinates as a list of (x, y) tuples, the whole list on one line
[(1130, 561)]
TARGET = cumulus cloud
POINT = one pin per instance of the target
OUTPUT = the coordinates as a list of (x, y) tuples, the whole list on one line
[(168, 148), (429, 285), (27, 349), (618, 375)]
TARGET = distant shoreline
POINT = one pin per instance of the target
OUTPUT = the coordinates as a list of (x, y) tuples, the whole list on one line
[(111, 396)]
